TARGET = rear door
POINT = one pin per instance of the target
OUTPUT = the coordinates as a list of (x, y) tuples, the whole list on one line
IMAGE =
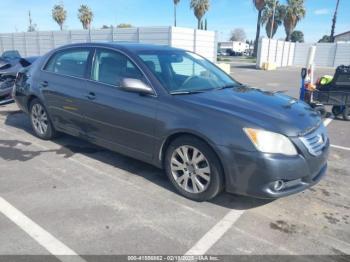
[(120, 120), (63, 85)]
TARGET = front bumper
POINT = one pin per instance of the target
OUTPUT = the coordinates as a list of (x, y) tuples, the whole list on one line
[(255, 174)]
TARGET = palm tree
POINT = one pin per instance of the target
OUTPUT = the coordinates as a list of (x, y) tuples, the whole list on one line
[(59, 15), (270, 19), (292, 13), (200, 7), (85, 16), (176, 2), (334, 21), (259, 5)]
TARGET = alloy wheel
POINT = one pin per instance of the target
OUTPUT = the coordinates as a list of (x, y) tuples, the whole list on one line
[(39, 119), (190, 169)]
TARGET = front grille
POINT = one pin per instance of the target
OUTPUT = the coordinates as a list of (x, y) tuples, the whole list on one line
[(316, 141)]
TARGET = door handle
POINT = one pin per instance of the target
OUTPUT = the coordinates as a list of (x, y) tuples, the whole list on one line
[(91, 96), (44, 84)]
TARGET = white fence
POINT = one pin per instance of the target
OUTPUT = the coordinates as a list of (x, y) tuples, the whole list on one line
[(39, 43), (284, 53)]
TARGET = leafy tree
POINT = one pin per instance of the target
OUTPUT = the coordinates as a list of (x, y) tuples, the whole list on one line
[(123, 25), (259, 5), (106, 27), (292, 13), (270, 19), (176, 2), (297, 36), (334, 21), (200, 7), (59, 14), (85, 16), (238, 35), (325, 39)]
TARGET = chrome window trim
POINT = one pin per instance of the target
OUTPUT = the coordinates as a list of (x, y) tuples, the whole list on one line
[(95, 47)]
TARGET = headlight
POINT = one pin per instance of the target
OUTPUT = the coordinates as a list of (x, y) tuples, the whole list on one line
[(269, 142)]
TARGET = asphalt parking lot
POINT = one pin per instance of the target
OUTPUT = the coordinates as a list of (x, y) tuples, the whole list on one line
[(67, 197)]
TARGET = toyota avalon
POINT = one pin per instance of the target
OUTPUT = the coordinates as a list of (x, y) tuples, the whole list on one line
[(178, 111)]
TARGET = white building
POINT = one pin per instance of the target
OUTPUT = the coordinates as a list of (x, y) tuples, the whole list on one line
[(235, 46), (344, 37)]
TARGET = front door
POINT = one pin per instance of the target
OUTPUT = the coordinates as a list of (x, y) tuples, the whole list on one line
[(120, 120)]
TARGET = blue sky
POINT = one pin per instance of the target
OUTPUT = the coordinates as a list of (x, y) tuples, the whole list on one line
[(223, 16)]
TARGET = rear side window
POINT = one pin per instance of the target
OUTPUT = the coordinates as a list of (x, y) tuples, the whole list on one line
[(69, 62)]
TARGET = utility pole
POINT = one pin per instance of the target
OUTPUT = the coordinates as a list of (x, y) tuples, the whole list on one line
[(334, 21), (30, 21)]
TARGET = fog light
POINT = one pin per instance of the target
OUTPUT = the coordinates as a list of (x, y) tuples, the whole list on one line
[(278, 185)]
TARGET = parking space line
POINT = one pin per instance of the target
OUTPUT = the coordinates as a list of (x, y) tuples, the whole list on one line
[(40, 235), (215, 233), (341, 147), (327, 121)]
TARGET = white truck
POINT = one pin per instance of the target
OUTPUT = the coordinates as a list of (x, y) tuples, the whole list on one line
[(234, 47)]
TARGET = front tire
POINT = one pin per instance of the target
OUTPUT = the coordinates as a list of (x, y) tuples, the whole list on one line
[(194, 169), (40, 121)]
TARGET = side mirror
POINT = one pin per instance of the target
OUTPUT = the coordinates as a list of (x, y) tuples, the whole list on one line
[(136, 86)]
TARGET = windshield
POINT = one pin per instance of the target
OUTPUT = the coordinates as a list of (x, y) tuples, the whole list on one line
[(12, 54), (185, 72)]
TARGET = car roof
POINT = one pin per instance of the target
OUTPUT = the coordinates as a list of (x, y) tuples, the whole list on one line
[(129, 46)]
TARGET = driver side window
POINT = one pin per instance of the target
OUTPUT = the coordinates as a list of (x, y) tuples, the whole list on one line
[(110, 67), (188, 68)]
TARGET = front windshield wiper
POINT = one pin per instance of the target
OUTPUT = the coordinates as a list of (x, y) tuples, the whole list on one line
[(229, 86), (184, 92)]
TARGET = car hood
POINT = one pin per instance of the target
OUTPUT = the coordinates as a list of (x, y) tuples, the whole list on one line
[(261, 109)]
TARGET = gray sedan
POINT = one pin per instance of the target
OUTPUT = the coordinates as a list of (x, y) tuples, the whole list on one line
[(178, 111)]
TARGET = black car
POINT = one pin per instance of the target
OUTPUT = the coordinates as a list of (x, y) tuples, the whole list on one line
[(178, 111)]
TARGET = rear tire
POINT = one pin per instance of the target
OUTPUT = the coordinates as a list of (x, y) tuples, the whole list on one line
[(40, 120), (346, 113), (337, 110), (194, 169)]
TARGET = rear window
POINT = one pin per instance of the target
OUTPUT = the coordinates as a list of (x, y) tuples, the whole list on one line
[(69, 62)]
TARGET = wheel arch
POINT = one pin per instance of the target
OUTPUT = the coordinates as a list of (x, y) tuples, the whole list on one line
[(169, 139), (29, 101)]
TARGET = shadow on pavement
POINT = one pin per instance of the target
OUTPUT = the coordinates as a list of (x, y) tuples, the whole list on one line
[(11, 150)]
